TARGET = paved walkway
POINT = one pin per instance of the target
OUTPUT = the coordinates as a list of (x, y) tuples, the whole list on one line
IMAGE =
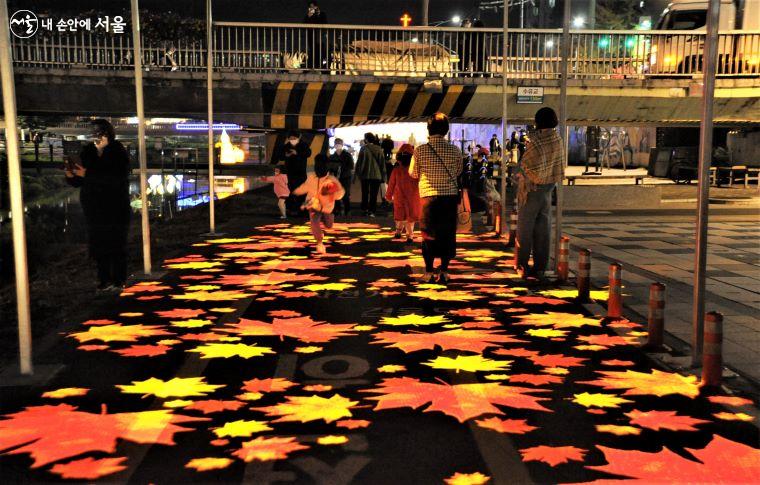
[(663, 250), (251, 361)]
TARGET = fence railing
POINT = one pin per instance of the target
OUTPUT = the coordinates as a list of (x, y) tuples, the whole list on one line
[(392, 51)]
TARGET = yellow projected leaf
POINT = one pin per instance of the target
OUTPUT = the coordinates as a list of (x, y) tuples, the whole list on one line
[(66, 392), (311, 408), (332, 440), (177, 387), (211, 351), (469, 363), (327, 286), (236, 429), (599, 400), (192, 323), (204, 464), (414, 319), (546, 332), (618, 430)]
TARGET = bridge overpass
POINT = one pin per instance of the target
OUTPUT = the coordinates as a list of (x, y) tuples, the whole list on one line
[(307, 77)]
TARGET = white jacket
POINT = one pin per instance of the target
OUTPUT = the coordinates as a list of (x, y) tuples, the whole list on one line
[(315, 200)]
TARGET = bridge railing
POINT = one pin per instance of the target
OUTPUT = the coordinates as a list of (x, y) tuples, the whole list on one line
[(392, 51)]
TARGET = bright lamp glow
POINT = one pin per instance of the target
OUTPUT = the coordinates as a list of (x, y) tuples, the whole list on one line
[(549, 43), (456, 19), (204, 126), (578, 22)]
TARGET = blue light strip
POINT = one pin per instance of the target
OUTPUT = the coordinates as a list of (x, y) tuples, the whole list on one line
[(204, 126)]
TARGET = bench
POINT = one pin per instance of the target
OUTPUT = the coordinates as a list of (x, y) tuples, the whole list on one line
[(572, 178), (741, 173)]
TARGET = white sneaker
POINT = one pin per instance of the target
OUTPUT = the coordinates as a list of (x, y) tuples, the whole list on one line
[(321, 249), (283, 217)]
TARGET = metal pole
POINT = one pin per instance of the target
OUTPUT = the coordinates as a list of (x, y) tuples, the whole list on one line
[(142, 155), (565, 53), (425, 12), (705, 158), (504, 138), (210, 93), (16, 196)]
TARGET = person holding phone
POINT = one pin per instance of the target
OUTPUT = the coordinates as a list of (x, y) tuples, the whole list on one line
[(103, 176)]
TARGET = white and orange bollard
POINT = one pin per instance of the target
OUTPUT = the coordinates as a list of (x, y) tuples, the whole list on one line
[(712, 352), (563, 265), (512, 229), (496, 217), (583, 279), (615, 298), (656, 317)]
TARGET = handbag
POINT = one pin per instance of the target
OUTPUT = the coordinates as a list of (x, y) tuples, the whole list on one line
[(464, 212)]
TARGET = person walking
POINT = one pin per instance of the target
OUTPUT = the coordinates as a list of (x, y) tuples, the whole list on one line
[(103, 176), (344, 163), (295, 153), (494, 145), (321, 190), (437, 164), (403, 191), (370, 168), (281, 190), (541, 167)]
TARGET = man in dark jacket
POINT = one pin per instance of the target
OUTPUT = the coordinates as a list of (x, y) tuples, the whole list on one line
[(295, 152), (343, 164), (104, 178), (370, 168)]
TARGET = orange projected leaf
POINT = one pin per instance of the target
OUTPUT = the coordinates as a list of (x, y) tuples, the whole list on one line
[(607, 340), (264, 279), (615, 362), (311, 408), (553, 455), (93, 347), (515, 426), (146, 287), (539, 300), (519, 352), (467, 479), (657, 383), (180, 313), (277, 384), (204, 295), (119, 333), (460, 401), (295, 294), (445, 295), (302, 328), (457, 339), (214, 406), (721, 461), (98, 322), (556, 360), (300, 264), (535, 379), (202, 337), (89, 468), (52, 433), (66, 392), (618, 430), (558, 320), (352, 423), (658, 420), (268, 449), (471, 312), (210, 463), (729, 400), (283, 313), (482, 325), (143, 350)]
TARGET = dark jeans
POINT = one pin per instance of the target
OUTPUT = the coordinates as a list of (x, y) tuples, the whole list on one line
[(112, 267), (345, 202), (438, 226), (370, 188), (534, 222)]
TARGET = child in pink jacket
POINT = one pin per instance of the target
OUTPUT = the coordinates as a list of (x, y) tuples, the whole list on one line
[(322, 190), (281, 190), (404, 192)]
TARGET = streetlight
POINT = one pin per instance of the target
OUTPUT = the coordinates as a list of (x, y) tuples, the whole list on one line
[(578, 22), (456, 19), (549, 44)]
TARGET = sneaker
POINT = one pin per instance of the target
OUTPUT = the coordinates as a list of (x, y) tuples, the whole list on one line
[(409, 240), (321, 249), (427, 278), (397, 235), (372, 215), (283, 217), (443, 278)]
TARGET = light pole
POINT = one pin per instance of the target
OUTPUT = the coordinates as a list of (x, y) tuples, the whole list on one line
[(565, 53), (503, 174), (210, 100), (425, 11), (16, 196)]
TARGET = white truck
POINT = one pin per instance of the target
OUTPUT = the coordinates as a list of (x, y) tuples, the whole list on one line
[(680, 53)]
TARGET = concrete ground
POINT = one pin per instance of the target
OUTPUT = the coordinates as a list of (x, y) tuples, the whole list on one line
[(252, 360)]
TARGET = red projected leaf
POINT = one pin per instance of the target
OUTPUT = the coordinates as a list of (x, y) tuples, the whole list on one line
[(460, 401), (556, 360), (283, 313), (553, 455), (268, 449), (657, 383), (721, 461), (471, 312), (658, 420), (456, 339), (615, 362), (302, 328), (98, 322), (89, 468), (729, 400), (146, 287), (143, 350), (180, 313), (539, 300), (481, 324), (52, 433), (535, 379), (514, 426), (214, 406), (352, 423), (277, 384)]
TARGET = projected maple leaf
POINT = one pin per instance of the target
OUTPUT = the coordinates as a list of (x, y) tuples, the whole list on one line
[(119, 333), (556, 360), (669, 420), (476, 478), (236, 429), (268, 449), (469, 363), (460, 401), (176, 387), (263, 279), (558, 320), (52, 433), (553, 455), (599, 400), (66, 392), (535, 379), (445, 295), (302, 328), (89, 468), (471, 312), (209, 463), (225, 351), (618, 430), (657, 383), (455, 339), (721, 461), (143, 350), (214, 406), (180, 313), (414, 319), (514, 426), (212, 295), (311, 408), (277, 384), (539, 300), (607, 340)]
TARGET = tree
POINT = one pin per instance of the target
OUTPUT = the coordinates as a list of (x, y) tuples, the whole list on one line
[(617, 14)]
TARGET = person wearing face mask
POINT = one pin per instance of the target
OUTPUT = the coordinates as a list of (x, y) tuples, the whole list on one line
[(345, 169), (103, 177), (370, 168), (321, 190), (295, 153)]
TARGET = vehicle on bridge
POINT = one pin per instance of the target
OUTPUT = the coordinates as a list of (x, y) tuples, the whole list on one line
[(738, 40)]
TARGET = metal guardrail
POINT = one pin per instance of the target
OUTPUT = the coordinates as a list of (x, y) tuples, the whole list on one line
[(393, 51)]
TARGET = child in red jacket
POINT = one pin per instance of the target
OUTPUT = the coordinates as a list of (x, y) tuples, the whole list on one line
[(404, 192)]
